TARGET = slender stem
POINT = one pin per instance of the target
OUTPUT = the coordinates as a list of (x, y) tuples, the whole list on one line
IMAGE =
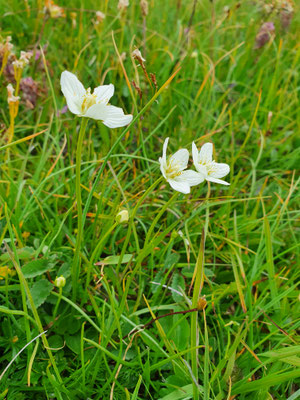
[(93, 257), (57, 303), (194, 320), (76, 260)]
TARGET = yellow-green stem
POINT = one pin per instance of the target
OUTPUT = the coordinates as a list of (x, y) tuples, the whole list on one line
[(76, 260), (57, 303), (194, 317)]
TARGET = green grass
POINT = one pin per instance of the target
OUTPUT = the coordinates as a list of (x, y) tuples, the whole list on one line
[(239, 245)]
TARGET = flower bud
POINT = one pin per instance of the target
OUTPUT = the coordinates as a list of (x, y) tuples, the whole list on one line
[(201, 303), (144, 7), (123, 4), (60, 281), (174, 235), (122, 217)]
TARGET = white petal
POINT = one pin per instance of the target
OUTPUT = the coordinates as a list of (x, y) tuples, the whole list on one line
[(195, 154), (104, 93), (162, 167), (181, 158), (220, 170), (205, 156), (193, 178), (164, 155), (180, 186), (215, 180), (202, 170), (97, 111), (116, 118), (73, 91)]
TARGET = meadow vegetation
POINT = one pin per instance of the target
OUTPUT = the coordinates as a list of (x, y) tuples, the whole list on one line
[(145, 292)]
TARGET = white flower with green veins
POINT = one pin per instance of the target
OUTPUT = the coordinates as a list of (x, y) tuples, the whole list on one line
[(173, 170), (92, 105), (207, 167)]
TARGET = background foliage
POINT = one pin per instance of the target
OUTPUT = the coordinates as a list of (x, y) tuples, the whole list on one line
[(231, 91)]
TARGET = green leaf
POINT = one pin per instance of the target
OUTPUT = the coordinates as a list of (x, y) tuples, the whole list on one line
[(178, 284), (181, 333), (36, 267), (69, 324), (73, 342), (23, 254), (137, 388), (40, 291), (265, 382), (186, 392), (114, 260), (64, 270), (171, 259), (56, 342)]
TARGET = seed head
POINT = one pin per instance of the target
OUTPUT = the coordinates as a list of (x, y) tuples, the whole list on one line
[(136, 54)]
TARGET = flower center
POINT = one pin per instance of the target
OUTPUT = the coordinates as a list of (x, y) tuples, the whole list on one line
[(89, 100), (172, 170), (209, 167)]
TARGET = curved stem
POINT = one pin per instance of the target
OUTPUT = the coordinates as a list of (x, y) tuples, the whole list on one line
[(76, 260)]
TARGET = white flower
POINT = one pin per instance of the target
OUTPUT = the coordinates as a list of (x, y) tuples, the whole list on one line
[(92, 105), (173, 170), (206, 166)]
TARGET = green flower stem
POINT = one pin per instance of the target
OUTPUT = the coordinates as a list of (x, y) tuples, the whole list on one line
[(57, 303), (93, 258), (199, 274), (76, 260)]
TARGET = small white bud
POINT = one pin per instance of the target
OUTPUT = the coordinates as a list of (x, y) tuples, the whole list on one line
[(60, 281), (122, 217)]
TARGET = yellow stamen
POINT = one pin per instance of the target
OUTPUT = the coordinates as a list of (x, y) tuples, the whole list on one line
[(88, 101), (172, 170)]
